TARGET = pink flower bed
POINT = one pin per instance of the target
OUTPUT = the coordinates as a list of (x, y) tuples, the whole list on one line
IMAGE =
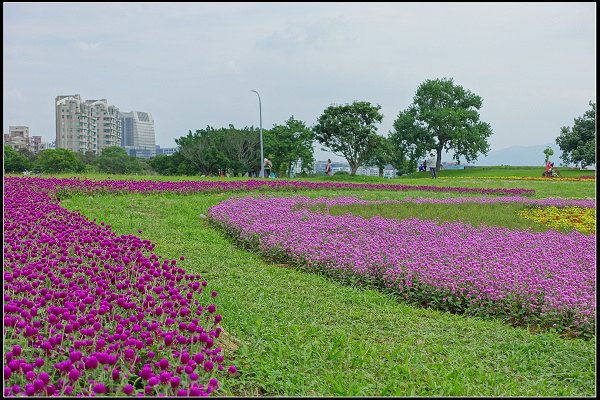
[(146, 186), (548, 279), (87, 312)]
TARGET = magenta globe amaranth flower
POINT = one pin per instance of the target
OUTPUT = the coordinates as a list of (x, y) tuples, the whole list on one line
[(99, 388), (128, 389)]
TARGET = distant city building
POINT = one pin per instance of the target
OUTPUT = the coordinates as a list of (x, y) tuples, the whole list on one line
[(49, 145), (166, 151), (451, 165), (138, 137), (336, 166), (35, 144), (18, 138), (89, 125)]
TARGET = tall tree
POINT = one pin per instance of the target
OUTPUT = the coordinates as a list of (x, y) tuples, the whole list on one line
[(288, 145), (349, 131), (578, 144), (115, 160), (382, 155), (443, 116), (58, 160), (242, 150), (14, 161), (203, 150), (548, 152)]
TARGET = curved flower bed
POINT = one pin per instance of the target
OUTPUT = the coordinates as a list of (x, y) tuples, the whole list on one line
[(87, 312), (552, 201), (126, 186), (546, 279)]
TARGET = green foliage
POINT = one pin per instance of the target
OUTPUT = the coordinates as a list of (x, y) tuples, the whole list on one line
[(210, 150), (14, 161), (382, 155), (548, 152), (578, 144), (356, 341), (166, 164), (349, 131), (443, 116), (289, 144), (115, 160), (58, 160)]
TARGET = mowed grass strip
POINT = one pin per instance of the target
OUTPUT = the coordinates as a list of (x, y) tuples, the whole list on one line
[(296, 334), (475, 214)]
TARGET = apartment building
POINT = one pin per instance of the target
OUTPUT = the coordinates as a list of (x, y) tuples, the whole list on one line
[(89, 125), (138, 137), (18, 138)]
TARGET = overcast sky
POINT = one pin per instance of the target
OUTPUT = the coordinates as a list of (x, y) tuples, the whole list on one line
[(193, 64)]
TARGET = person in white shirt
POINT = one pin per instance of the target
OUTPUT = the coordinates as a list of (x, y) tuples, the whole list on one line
[(432, 162)]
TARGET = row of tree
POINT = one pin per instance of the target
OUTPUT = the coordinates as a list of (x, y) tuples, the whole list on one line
[(237, 151), (114, 160), (442, 117)]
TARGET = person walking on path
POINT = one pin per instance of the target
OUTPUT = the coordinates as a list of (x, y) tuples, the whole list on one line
[(267, 166), (328, 167), (432, 163)]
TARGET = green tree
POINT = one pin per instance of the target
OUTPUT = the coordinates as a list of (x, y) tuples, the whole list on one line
[(165, 164), (14, 161), (290, 144), (212, 150), (204, 150), (382, 155), (115, 160), (443, 116), (349, 131), (578, 144), (409, 140), (548, 152), (242, 149), (58, 160)]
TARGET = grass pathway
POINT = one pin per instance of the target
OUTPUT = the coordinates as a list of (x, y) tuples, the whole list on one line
[(297, 334)]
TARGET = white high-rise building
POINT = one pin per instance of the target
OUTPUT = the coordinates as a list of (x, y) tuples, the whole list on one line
[(84, 126), (138, 134)]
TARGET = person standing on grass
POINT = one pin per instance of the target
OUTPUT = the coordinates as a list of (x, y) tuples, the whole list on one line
[(328, 167), (267, 166), (432, 162)]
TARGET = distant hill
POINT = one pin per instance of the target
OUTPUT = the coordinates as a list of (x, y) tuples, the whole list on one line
[(520, 156)]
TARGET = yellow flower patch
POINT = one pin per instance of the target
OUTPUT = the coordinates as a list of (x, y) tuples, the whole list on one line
[(525, 178), (581, 219)]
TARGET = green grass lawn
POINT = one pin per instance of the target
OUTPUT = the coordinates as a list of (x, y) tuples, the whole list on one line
[(292, 333)]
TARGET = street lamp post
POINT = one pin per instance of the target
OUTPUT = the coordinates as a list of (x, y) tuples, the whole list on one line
[(262, 155)]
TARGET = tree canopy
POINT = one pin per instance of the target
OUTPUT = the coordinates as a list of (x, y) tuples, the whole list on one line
[(58, 160), (115, 160), (288, 145), (349, 131), (211, 151), (443, 116), (578, 144), (383, 155), (14, 161)]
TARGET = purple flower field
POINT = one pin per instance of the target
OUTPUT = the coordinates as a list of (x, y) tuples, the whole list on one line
[(146, 186), (493, 271), (556, 201), (89, 312)]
